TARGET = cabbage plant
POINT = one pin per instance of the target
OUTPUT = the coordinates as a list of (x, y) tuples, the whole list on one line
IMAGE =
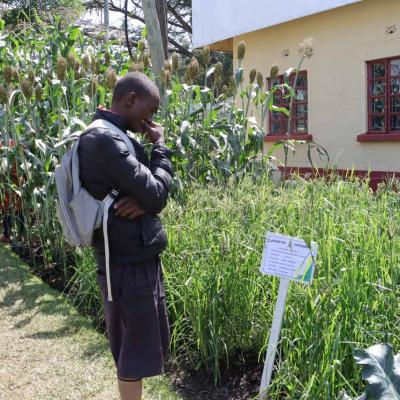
[(381, 371)]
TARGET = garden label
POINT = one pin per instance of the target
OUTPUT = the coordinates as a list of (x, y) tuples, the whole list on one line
[(289, 259)]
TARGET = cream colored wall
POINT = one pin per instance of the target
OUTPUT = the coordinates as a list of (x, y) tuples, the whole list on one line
[(345, 39)]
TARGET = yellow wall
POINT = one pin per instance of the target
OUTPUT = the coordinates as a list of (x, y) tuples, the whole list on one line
[(345, 39)]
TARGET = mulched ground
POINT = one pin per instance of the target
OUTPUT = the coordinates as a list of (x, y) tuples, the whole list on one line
[(239, 382)]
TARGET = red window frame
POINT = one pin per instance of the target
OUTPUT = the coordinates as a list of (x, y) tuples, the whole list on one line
[(388, 79), (281, 101)]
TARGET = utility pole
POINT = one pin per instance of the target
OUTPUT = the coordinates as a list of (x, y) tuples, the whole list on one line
[(106, 14), (162, 12), (154, 38)]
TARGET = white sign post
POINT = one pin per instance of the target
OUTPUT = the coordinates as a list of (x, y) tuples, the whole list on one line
[(290, 259)]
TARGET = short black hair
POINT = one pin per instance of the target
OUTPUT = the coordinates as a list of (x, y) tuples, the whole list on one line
[(136, 82)]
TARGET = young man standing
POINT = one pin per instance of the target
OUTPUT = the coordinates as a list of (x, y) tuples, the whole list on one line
[(136, 319)]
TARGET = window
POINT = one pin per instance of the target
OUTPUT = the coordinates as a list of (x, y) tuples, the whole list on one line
[(384, 96), (278, 121)]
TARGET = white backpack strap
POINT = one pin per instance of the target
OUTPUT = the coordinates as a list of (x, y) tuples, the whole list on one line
[(76, 183), (107, 202)]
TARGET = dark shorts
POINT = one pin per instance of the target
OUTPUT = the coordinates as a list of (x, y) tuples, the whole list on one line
[(136, 320)]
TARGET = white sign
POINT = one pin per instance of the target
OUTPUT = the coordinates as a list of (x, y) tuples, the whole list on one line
[(289, 258)]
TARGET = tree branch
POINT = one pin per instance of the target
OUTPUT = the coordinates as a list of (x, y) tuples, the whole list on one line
[(184, 24), (181, 49), (98, 4)]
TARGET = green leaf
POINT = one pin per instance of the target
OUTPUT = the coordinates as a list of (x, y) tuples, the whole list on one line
[(381, 370), (74, 34), (280, 109), (210, 71), (345, 396), (41, 145)]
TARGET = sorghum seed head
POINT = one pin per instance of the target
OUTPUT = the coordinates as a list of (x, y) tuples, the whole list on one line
[(187, 79), (218, 70), (306, 47), (31, 76), (175, 62), (205, 55), (3, 94), (26, 87), (77, 65), (107, 58), (165, 76), (94, 64), (241, 50), (7, 74), (134, 67), (38, 92), (252, 75), (93, 84), (168, 65), (232, 85), (146, 61), (15, 74), (71, 59), (110, 78), (274, 72), (193, 69), (85, 62), (61, 68), (260, 79)]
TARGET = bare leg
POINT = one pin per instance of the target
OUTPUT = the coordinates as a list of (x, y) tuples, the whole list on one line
[(130, 390)]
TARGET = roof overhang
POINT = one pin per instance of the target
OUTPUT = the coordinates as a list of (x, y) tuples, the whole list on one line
[(218, 21)]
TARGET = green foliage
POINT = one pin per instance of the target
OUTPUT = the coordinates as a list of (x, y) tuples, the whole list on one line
[(52, 80), (27, 10)]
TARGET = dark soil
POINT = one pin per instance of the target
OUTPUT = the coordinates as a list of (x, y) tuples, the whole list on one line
[(238, 382)]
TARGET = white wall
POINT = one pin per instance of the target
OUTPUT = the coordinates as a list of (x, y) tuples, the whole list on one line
[(215, 20)]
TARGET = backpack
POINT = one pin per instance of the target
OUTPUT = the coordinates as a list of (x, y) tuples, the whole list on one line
[(79, 213)]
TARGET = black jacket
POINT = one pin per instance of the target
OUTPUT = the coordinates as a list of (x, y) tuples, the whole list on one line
[(105, 163)]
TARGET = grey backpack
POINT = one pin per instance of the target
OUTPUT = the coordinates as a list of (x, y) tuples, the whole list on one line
[(79, 213)]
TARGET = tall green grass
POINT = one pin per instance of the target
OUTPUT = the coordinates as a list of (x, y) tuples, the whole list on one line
[(220, 303), (221, 306)]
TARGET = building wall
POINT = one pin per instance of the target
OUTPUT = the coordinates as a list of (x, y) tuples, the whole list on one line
[(215, 20), (345, 39)]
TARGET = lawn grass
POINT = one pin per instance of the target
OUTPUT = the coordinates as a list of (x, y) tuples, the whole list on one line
[(48, 350)]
